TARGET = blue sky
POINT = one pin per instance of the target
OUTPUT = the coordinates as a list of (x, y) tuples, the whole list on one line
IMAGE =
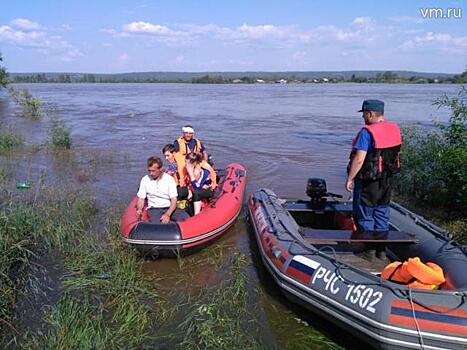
[(104, 36)]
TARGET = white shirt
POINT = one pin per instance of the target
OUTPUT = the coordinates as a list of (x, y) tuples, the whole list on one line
[(158, 192)]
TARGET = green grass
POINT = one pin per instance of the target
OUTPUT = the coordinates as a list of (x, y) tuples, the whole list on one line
[(220, 317), (77, 324), (28, 230), (108, 279)]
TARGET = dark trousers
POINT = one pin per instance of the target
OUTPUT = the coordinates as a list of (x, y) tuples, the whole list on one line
[(156, 213), (182, 193), (202, 194)]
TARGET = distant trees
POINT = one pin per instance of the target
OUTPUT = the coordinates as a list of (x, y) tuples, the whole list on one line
[(3, 74), (208, 79), (386, 77)]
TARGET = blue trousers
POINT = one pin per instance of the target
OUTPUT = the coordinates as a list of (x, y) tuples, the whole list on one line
[(369, 218)]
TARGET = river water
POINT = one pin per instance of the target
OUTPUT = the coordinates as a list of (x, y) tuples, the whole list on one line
[(282, 134)]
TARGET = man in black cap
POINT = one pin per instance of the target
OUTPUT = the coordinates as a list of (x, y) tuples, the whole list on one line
[(374, 159)]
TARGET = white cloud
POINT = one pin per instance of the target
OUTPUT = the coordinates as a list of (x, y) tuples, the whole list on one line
[(24, 33), (146, 28), (361, 30), (362, 21), (440, 40), (25, 24)]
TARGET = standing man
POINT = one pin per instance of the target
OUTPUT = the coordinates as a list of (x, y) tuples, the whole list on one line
[(187, 143), (160, 189), (374, 160)]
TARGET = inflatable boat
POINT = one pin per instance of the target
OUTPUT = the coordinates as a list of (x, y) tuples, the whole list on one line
[(187, 236), (312, 252)]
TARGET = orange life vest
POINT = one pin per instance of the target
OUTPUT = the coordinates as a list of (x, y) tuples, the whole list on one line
[(183, 148), (212, 175), (414, 273), (179, 175)]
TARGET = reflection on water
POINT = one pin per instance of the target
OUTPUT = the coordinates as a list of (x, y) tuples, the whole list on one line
[(282, 134)]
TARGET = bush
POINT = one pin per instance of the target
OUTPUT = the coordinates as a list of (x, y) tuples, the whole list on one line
[(31, 105), (435, 163), (10, 139), (59, 134), (3, 74)]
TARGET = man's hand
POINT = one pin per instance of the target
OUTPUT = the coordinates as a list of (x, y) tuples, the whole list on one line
[(349, 185), (138, 213), (165, 219)]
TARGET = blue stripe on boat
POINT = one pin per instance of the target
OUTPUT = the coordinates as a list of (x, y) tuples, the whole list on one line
[(429, 316)]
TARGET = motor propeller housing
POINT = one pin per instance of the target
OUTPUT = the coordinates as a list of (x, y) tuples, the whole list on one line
[(316, 188)]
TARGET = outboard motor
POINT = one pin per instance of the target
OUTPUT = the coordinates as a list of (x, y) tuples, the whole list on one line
[(316, 188)]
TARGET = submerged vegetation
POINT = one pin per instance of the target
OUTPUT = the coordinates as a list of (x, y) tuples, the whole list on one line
[(59, 133), (435, 165), (221, 318), (33, 109), (103, 302), (31, 105), (10, 139)]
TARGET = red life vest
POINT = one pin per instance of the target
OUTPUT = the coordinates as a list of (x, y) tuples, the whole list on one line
[(384, 158)]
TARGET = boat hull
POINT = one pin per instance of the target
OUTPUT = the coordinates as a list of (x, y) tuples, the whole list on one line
[(196, 232), (383, 314)]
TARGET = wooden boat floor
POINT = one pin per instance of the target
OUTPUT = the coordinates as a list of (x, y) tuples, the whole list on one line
[(374, 265)]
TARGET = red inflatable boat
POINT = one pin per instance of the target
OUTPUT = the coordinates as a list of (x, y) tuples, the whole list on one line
[(175, 238)]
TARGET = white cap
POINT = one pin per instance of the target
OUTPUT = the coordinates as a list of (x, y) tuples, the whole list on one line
[(188, 129)]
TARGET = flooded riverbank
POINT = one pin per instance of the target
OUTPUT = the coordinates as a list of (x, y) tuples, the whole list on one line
[(281, 134)]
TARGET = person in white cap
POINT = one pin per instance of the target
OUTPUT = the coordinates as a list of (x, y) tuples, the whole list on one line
[(187, 143)]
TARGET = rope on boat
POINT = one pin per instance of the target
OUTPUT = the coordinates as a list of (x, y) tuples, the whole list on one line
[(422, 344)]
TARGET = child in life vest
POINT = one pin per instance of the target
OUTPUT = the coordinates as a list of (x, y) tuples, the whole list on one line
[(201, 179)]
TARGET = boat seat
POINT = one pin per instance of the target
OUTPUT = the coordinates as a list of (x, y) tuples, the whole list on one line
[(315, 236)]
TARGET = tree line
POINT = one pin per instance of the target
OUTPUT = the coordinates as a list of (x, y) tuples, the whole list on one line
[(385, 77)]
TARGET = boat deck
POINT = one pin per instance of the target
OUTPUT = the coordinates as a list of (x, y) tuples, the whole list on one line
[(346, 245)]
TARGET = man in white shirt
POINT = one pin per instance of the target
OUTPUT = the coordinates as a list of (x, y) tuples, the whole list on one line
[(160, 190)]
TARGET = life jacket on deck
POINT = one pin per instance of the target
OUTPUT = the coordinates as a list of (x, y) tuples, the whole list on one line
[(384, 159), (183, 148), (414, 273)]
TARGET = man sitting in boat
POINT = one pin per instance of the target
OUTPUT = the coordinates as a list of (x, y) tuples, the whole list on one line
[(160, 190), (187, 143), (201, 178)]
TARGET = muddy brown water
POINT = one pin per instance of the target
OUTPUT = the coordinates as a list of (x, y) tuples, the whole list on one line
[(282, 134)]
